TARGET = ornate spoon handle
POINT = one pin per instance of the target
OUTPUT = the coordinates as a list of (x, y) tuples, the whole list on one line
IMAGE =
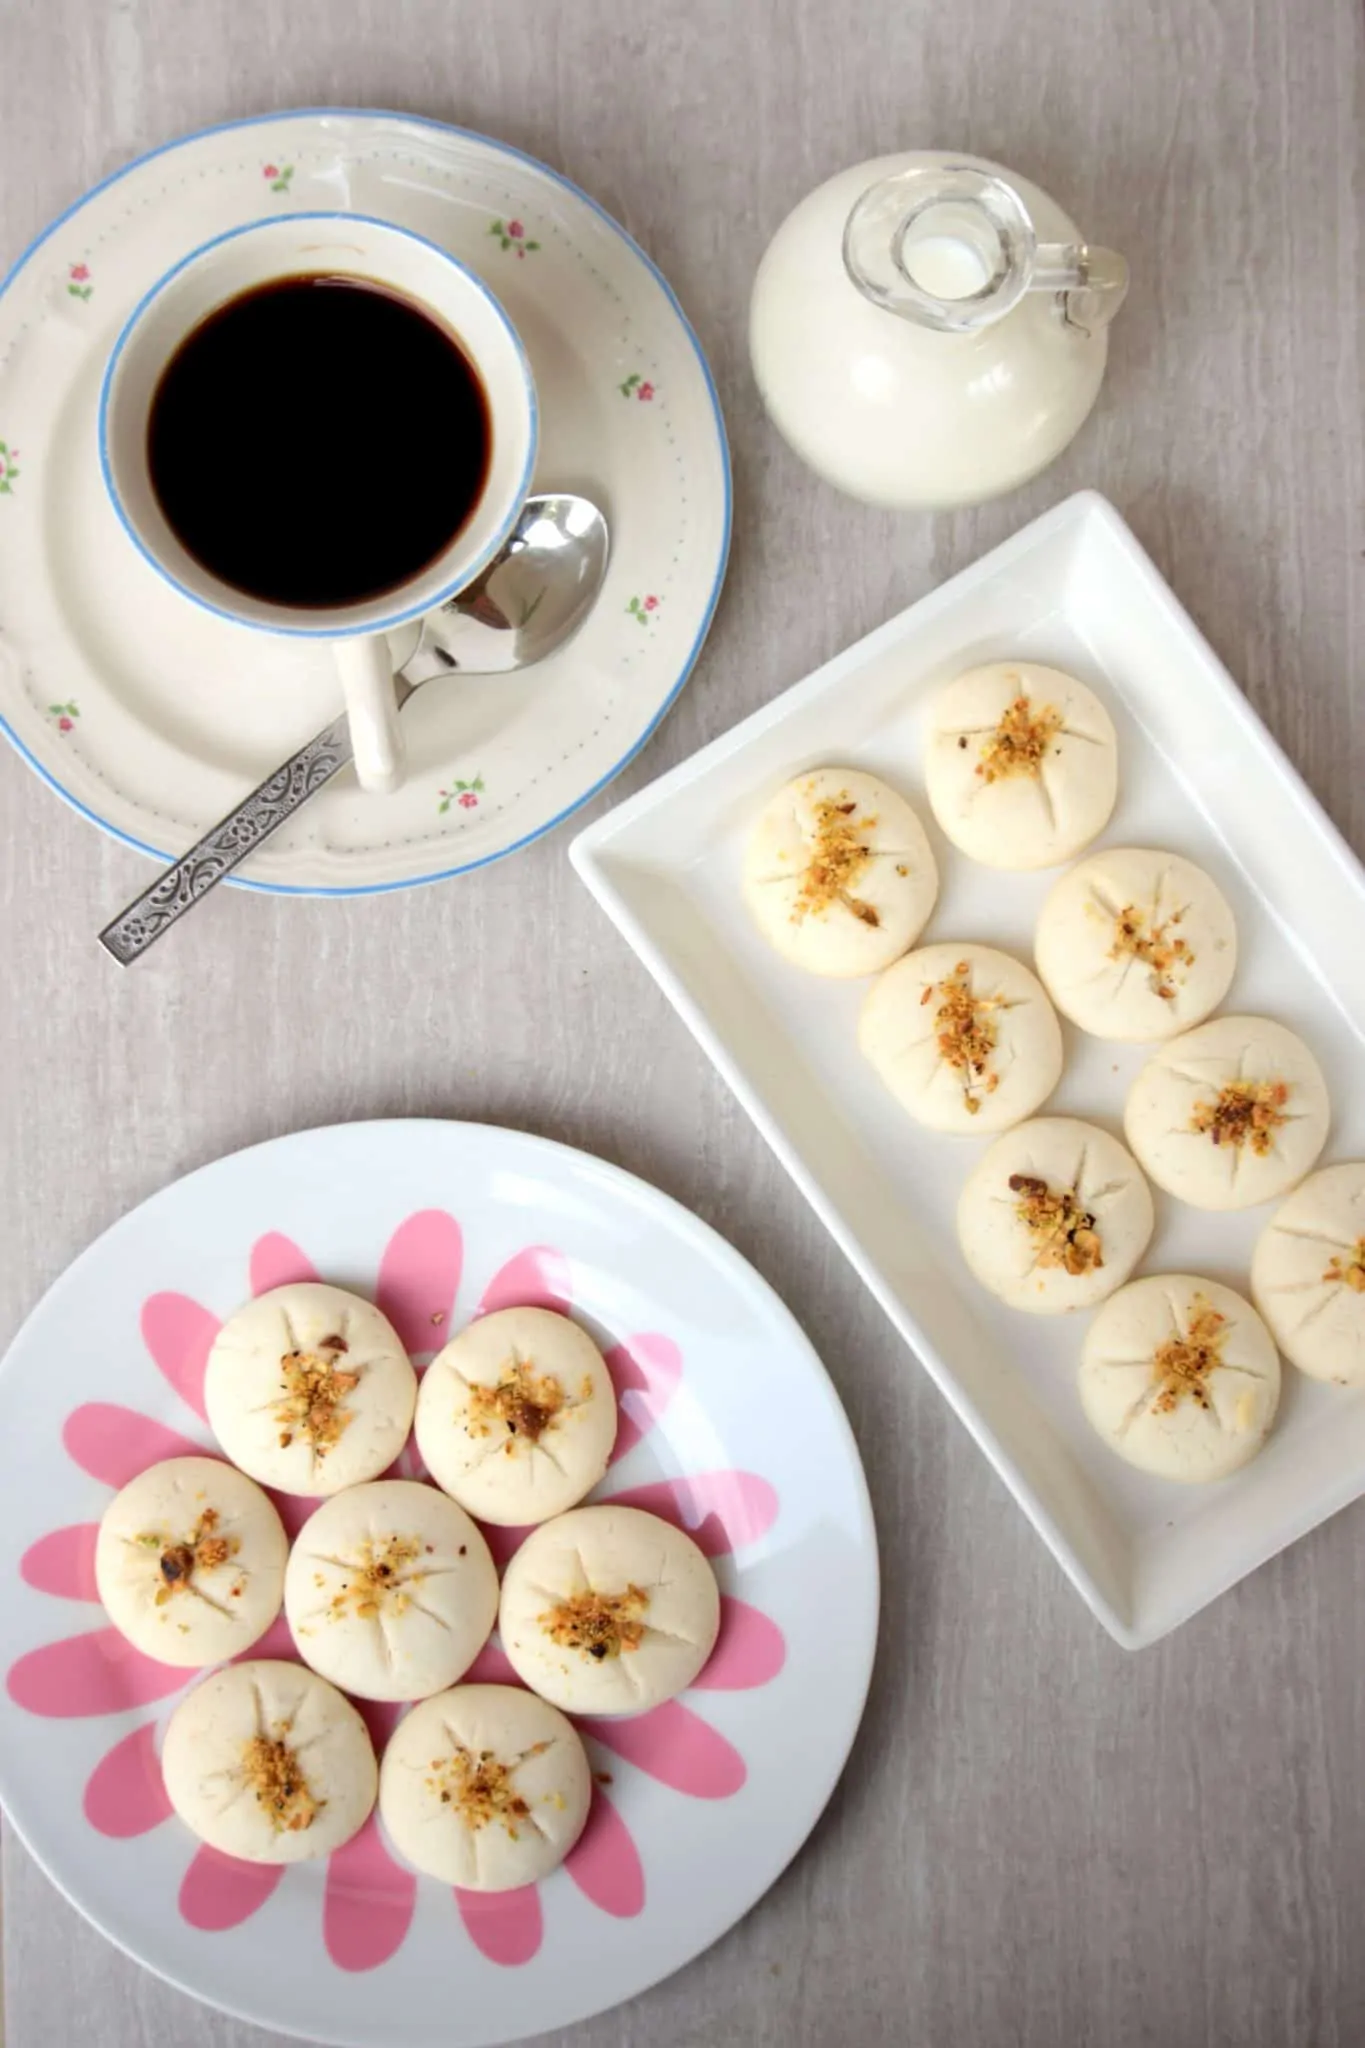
[(230, 841)]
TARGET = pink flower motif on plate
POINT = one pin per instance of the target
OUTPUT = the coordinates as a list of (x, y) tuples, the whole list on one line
[(369, 1900)]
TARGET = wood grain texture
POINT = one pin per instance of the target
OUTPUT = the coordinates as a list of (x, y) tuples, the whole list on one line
[(1040, 1840)]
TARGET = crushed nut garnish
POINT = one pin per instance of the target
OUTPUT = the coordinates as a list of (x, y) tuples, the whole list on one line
[(1019, 742), (202, 1550), (314, 1391), (276, 1777), (600, 1624), (524, 1401), (966, 1032), (838, 857), (1155, 948), (1182, 1365), (378, 1579), (1246, 1113), (1350, 1271), (1064, 1232), (480, 1788)]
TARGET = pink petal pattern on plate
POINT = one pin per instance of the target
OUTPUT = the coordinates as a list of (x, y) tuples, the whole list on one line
[(419, 1277), (503, 1543), (368, 1902), (490, 1667), (277, 1642), (63, 1562), (97, 1673), (125, 1794), (293, 1509), (219, 1891), (750, 1650), (645, 1372), (114, 1444), (720, 1511), (604, 1862), (504, 1926), (276, 1261), (675, 1746), (535, 1278), (179, 1335)]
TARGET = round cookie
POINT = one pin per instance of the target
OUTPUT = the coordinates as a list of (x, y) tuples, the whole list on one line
[(1055, 1217), (486, 1787), (1136, 945), (1230, 1114), (309, 1389), (1308, 1275), (964, 1037), (268, 1762), (1180, 1377), (391, 1591), (839, 874), (1021, 764), (516, 1418), (608, 1611), (189, 1561)]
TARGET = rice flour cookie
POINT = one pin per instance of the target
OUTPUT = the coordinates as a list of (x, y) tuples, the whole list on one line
[(1230, 1114), (268, 1762), (1136, 945), (516, 1418), (608, 1610), (1055, 1217), (964, 1037), (839, 874), (391, 1591), (189, 1561), (1308, 1275), (1180, 1377), (309, 1389), (1021, 764), (485, 1787)]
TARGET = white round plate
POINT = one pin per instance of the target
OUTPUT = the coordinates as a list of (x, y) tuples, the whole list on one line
[(152, 716), (729, 1426)]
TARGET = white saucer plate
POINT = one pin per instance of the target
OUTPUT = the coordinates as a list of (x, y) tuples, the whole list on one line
[(729, 1426), (155, 718)]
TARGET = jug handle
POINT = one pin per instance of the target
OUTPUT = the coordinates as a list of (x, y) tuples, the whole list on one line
[(1091, 284)]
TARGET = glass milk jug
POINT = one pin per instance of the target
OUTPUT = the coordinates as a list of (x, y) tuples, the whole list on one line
[(930, 330)]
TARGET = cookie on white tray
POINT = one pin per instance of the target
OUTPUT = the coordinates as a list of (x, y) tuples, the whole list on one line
[(839, 875), (1055, 1217), (964, 1037), (1021, 764), (1180, 1377), (1136, 945)]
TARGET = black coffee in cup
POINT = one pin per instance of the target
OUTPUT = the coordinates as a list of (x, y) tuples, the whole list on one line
[(318, 441)]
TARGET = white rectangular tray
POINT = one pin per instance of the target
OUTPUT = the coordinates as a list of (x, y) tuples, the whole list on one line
[(1198, 773)]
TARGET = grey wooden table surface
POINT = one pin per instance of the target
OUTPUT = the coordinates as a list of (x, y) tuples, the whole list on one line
[(1040, 1840)]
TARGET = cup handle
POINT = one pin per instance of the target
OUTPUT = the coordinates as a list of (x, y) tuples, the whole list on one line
[(366, 668)]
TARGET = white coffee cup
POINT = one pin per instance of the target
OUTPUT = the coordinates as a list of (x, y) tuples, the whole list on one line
[(351, 245)]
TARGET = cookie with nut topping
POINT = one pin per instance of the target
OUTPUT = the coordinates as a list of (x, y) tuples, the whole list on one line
[(839, 874), (1055, 1217)]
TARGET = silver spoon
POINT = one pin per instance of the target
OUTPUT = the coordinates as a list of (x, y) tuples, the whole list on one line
[(535, 593)]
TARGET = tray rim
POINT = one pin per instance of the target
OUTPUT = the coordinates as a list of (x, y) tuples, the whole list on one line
[(592, 858)]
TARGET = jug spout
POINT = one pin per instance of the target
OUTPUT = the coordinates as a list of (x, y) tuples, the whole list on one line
[(953, 248)]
